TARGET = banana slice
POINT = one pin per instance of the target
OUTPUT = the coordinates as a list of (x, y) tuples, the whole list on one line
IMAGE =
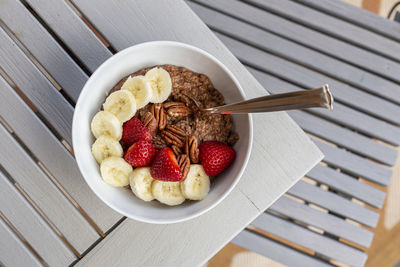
[(105, 123), (140, 180), (106, 146), (167, 192), (140, 89), (197, 183), (115, 171), (122, 104), (161, 84)]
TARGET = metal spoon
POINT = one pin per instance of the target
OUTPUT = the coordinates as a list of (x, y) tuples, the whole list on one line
[(320, 97)]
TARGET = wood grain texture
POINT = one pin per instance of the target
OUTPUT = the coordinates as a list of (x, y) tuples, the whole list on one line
[(275, 251), (44, 193), (13, 252), (324, 221), (49, 102), (53, 155), (334, 203), (358, 16), (43, 47), (342, 114), (307, 37), (70, 28), (306, 238), (33, 228), (251, 196), (332, 26), (308, 56)]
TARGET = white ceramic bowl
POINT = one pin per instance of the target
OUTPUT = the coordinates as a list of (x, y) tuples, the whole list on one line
[(93, 95)]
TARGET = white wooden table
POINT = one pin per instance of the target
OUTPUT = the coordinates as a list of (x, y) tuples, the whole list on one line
[(48, 214)]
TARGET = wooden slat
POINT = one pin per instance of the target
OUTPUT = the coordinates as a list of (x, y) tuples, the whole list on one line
[(300, 54), (310, 38), (43, 47), (50, 103), (348, 185), (334, 203), (358, 16), (13, 252), (53, 155), (316, 242), (251, 196), (354, 164), (45, 194), (32, 227), (326, 129), (324, 221), (332, 26), (275, 251), (69, 28), (342, 114)]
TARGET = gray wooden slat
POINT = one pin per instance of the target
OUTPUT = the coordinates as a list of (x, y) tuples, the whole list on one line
[(275, 251), (53, 155), (50, 103), (358, 16), (308, 37), (324, 221), (44, 193), (43, 47), (69, 28), (332, 26), (316, 242), (32, 227), (300, 54), (13, 252), (326, 129), (343, 114), (354, 164), (348, 185), (334, 203)]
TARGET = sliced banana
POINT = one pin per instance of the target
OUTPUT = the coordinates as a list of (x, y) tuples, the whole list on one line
[(197, 183), (105, 146), (115, 171), (122, 104), (167, 192), (140, 89), (105, 123), (160, 83), (140, 180)]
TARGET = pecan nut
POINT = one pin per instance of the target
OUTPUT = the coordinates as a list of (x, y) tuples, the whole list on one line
[(149, 121), (174, 135), (184, 164), (159, 114), (177, 151), (192, 148), (176, 109)]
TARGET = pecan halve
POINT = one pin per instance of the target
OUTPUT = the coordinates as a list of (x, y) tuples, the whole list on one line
[(176, 109), (192, 148), (173, 135), (177, 151), (149, 121), (184, 164), (159, 114)]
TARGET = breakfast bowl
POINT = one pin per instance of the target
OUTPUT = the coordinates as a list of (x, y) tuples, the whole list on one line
[(93, 95)]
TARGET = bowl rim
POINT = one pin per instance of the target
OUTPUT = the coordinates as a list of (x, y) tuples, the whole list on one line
[(75, 132)]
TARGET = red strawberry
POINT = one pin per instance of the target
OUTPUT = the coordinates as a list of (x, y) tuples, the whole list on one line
[(215, 157), (140, 154), (165, 166), (134, 130)]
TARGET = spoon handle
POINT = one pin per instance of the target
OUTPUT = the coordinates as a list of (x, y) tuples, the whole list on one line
[(320, 97)]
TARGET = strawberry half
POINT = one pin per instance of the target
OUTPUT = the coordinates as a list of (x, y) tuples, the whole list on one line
[(215, 157), (165, 166), (140, 154), (134, 130)]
